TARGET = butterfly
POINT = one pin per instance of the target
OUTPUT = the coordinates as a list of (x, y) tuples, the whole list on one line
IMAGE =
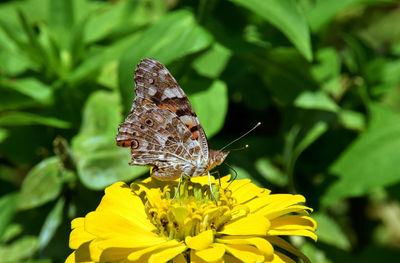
[(163, 130)]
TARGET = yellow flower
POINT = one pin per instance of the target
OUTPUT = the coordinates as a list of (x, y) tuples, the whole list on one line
[(142, 223)]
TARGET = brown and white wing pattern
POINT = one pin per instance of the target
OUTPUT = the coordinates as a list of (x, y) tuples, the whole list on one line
[(154, 83), (162, 129)]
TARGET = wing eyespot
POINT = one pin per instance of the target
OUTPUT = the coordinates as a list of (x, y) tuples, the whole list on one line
[(149, 122), (134, 144), (142, 127)]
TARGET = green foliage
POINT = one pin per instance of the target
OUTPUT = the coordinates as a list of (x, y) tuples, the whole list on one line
[(323, 77)]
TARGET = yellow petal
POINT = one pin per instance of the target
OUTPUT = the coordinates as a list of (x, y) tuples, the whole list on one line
[(213, 254), (246, 192), (120, 199), (261, 244), (166, 254), (201, 241), (250, 225), (95, 251), (77, 222), (245, 253), (271, 214), (293, 222), (179, 259), (81, 255), (288, 247), (78, 235), (299, 232), (203, 180), (107, 225), (231, 259), (138, 253), (282, 258), (115, 254)]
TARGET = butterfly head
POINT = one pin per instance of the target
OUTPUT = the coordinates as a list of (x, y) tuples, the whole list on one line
[(217, 157)]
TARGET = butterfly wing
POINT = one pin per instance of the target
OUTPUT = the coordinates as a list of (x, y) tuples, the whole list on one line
[(154, 83), (159, 139), (162, 129)]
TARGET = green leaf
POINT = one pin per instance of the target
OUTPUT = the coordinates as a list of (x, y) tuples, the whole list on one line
[(51, 224), (3, 134), (100, 162), (98, 59), (125, 15), (318, 100), (61, 21), (32, 88), (324, 11), (288, 17), (12, 231), (371, 161), (327, 71), (213, 62), (172, 37), (270, 172), (311, 136), (8, 207), (42, 184), (211, 106), (20, 249), (314, 254), (352, 120), (12, 60), (330, 233), (25, 118)]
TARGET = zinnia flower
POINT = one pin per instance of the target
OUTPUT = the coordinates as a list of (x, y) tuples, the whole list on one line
[(142, 223)]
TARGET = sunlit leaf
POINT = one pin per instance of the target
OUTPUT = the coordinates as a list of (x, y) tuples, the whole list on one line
[(323, 11), (20, 249), (3, 134), (25, 118), (352, 120), (329, 232), (8, 207), (32, 88), (288, 17), (213, 62), (41, 185), (316, 101), (371, 161), (52, 222), (270, 172)]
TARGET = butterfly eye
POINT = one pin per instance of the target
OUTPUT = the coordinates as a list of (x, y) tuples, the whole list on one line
[(149, 122), (134, 144)]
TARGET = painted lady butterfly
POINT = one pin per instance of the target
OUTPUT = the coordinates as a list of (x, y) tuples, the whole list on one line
[(162, 129)]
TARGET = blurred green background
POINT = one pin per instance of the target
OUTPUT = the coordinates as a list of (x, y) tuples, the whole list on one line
[(322, 76)]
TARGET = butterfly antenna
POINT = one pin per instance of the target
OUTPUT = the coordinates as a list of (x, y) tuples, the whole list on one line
[(252, 129), (239, 149), (234, 177)]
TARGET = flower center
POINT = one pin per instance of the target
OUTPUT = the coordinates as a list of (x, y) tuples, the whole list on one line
[(192, 211)]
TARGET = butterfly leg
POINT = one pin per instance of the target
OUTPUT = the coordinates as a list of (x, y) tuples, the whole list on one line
[(209, 180), (179, 185), (219, 176)]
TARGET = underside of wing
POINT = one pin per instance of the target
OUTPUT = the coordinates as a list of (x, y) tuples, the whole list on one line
[(154, 83), (158, 138)]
